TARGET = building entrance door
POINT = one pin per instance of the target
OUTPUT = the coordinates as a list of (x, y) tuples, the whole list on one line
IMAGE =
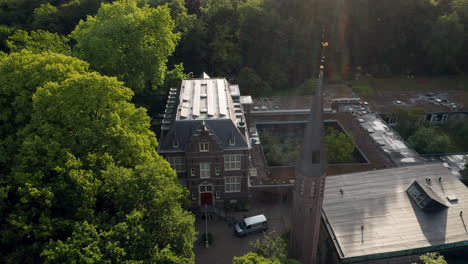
[(206, 198)]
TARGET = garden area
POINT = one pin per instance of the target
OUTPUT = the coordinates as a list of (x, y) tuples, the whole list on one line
[(281, 144), (432, 138)]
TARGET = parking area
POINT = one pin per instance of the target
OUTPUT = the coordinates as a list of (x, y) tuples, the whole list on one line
[(226, 245)]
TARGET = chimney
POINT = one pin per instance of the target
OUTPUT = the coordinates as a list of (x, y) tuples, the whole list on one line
[(242, 126)]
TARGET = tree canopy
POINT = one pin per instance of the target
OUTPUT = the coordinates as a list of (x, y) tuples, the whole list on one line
[(269, 249), (127, 41), (86, 184), (38, 41), (340, 146)]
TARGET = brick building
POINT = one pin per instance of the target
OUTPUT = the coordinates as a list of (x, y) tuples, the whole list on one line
[(205, 138)]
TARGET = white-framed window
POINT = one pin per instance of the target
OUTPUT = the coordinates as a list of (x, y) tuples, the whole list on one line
[(175, 144), (206, 188), (218, 195), (232, 141), (192, 171), (232, 184), (232, 162), (177, 163), (194, 195), (217, 171), (204, 170), (204, 147)]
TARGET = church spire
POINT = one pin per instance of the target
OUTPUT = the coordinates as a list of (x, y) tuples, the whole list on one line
[(312, 160), (310, 183)]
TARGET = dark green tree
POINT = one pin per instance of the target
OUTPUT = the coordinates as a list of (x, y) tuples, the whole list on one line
[(86, 184), (340, 146), (408, 119), (428, 140), (127, 41)]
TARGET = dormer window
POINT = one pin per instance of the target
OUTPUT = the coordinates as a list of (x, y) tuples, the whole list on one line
[(204, 147), (232, 141), (175, 144)]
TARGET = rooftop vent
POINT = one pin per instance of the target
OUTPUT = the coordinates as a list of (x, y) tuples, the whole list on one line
[(203, 110), (202, 95), (452, 198)]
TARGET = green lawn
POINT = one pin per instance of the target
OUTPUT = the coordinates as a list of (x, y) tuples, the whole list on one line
[(397, 84)]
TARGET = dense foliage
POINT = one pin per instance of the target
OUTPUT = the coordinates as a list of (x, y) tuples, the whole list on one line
[(431, 138), (267, 250), (432, 258), (129, 42), (81, 180), (283, 148), (267, 45)]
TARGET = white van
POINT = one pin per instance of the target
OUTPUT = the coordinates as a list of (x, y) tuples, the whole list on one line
[(252, 224)]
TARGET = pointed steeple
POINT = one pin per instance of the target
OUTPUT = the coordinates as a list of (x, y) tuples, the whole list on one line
[(312, 160)]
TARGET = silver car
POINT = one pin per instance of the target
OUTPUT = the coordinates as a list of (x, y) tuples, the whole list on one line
[(252, 224)]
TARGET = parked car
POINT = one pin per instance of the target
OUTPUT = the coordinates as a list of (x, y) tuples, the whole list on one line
[(252, 224)]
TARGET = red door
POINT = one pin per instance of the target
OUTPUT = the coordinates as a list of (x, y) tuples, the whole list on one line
[(206, 198)]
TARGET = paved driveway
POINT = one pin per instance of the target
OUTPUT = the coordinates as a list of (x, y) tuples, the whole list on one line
[(226, 245)]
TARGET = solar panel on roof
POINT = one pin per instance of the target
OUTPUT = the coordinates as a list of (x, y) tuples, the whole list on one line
[(196, 99), (222, 97), (210, 98), (186, 92)]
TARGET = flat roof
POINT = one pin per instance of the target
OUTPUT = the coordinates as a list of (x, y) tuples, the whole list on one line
[(432, 102), (202, 99), (375, 217)]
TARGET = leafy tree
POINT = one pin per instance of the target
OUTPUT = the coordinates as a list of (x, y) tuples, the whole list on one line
[(408, 120), (127, 41), (340, 146), (267, 250), (445, 43), (428, 140), (271, 246), (5, 32), (254, 258), (251, 83), (88, 185), (432, 258), (47, 17), (20, 76), (38, 41)]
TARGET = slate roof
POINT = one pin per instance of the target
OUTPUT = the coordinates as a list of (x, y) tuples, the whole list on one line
[(376, 218), (182, 131)]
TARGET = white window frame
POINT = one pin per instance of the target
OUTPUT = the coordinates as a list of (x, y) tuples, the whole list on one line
[(232, 141), (192, 171), (194, 195), (204, 147), (205, 170), (232, 162), (218, 195), (175, 144), (217, 171), (177, 163), (232, 184), (203, 188)]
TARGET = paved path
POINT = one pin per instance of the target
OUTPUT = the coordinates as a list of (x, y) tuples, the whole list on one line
[(226, 245)]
